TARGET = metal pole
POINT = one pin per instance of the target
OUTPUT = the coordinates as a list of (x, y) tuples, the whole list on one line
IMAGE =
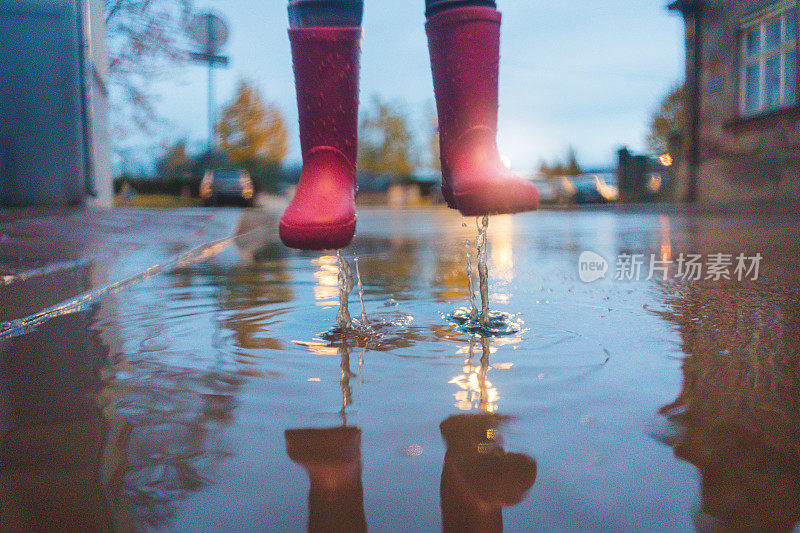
[(211, 121), (84, 67), (211, 118)]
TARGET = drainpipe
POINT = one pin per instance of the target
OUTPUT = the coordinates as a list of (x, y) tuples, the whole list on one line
[(83, 49), (692, 14), (694, 149)]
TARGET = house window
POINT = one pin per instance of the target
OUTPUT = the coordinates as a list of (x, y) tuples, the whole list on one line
[(769, 63)]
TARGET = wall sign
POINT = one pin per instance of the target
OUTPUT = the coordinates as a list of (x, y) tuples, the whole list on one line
[(716, 85)]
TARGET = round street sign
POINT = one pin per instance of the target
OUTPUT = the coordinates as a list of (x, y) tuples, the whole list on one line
[(209, 31)]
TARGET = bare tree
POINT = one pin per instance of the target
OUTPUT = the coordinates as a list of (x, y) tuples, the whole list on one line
[(146, 38)]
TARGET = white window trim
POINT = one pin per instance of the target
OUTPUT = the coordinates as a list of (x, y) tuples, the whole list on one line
[(761, 57)]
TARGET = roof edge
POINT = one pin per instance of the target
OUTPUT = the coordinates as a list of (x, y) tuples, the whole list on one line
[(684, 6)]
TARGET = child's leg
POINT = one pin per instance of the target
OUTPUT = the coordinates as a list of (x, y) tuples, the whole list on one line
[(326, 42), (325, 13), (433, 7), (464, 44)]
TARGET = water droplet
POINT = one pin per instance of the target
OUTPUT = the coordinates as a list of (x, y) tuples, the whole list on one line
[(412, 450)]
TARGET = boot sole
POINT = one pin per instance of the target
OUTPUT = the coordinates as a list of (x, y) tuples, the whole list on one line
[(492, 202), (327, 237)]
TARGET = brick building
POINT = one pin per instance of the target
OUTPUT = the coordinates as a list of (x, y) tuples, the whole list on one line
[(741, 141)]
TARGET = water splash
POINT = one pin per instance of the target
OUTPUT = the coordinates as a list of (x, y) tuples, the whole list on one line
[(483, 271), (473, 310), (364, 333), (364, 320), (345, 279), (344, 381), (485, 322), (382, 332), (496, 324)]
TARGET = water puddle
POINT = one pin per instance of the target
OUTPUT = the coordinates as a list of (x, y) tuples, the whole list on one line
[(236, 387)]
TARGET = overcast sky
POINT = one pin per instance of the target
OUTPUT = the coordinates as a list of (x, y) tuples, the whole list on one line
[(583, 72)]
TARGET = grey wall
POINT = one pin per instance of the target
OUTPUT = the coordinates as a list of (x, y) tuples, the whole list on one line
[(43, 156)]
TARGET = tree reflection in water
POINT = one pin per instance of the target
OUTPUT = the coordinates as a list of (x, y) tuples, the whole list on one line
[(738, 416), (173, 420), (100, 441), (59, 455)]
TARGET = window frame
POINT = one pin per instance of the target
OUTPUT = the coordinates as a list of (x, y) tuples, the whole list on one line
[(785, 46)]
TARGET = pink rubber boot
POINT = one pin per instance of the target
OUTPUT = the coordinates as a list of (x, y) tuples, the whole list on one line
[(322, 214), (464, 46)]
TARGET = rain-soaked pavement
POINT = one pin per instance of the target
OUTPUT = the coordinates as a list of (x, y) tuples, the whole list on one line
[(157, 373)]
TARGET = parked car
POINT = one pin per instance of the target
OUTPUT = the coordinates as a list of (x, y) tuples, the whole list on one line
[(596, 189), (565, 190), (590, 189), (226, 186), (547, 193)]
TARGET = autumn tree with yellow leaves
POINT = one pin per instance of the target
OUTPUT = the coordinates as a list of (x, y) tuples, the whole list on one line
[(386, 145), (253, 135), (667, 121)]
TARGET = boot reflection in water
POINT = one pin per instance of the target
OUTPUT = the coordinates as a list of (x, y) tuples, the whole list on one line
[(332, 459), (464, 46), (479, 478)]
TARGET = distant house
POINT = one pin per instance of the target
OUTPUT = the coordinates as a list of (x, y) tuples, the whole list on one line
[(54, 140), (741, 140)]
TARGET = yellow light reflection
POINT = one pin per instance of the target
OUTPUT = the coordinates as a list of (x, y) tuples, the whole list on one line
[(502, 341), (666, 245), (467, 350), (326, 276), (318, 348), (501, 242), (476, 392)]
